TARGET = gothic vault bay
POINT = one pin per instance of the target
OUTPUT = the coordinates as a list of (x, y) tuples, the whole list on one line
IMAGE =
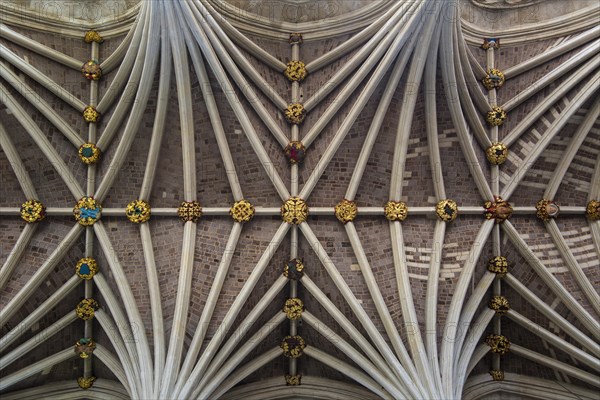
[(299, 199)]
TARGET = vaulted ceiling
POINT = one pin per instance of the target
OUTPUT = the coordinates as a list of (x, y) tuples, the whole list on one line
[(187, 157)]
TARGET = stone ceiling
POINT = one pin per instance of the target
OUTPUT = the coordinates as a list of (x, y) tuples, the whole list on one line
[(194, 110)]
